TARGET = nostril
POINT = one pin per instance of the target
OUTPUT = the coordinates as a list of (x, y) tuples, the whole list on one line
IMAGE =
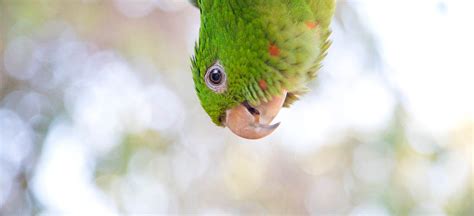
[(222, 119), (251, 109)]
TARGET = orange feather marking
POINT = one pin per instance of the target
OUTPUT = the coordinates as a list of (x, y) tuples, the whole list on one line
[(262, 84), (274, 50), (311, 25)]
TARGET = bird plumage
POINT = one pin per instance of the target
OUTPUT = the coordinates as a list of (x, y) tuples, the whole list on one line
[(265, 46)]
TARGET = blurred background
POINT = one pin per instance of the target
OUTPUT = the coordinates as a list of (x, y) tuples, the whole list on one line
[(98, 115)]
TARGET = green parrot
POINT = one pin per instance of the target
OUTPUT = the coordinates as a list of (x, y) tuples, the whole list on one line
[(254, 57)]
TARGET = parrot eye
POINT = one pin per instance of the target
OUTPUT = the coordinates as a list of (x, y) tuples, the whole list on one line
[(216, 78)]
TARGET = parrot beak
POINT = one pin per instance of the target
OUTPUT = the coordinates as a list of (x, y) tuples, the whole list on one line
[(254, 122)]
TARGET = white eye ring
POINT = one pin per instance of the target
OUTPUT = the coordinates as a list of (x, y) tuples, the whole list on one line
[(216, 78)]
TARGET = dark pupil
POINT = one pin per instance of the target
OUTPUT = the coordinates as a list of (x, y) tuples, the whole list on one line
[(215, 76)]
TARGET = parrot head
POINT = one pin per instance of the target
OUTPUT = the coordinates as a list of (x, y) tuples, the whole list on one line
[(231, 91)]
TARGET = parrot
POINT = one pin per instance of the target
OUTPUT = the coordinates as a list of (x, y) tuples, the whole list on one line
[(254, 57)]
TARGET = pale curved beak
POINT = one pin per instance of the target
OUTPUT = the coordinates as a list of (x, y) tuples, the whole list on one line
[(254, 122)]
